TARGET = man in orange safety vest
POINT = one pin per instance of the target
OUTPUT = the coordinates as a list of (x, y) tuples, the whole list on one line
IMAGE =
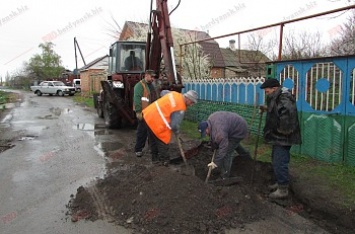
[(163, 117)]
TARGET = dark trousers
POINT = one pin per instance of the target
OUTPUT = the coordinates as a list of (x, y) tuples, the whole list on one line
[(153, 144), (280, 159), (141, 136), (233, 145)]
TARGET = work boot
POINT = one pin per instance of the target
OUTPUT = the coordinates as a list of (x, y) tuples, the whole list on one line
[(281, 192), (139, 154), (273, 186), (155, 158)]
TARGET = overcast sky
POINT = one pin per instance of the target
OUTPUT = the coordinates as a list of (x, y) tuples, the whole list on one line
[(25, 24)]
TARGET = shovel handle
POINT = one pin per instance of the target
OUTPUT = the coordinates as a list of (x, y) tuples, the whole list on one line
[(210, 169), (180, 148)]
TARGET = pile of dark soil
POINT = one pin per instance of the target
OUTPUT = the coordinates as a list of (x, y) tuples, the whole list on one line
[(158, 199)]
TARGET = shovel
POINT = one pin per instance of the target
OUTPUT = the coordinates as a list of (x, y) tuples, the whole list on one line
[(256, 147), (210, 169), (186, 169)]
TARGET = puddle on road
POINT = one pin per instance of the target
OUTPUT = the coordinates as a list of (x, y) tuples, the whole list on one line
[(67, 111), (98, 129), (5, 125), (110, 146), (47, 117), (84, 127), (27, 138), (56, 111)]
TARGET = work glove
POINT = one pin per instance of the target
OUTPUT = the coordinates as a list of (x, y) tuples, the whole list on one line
[(139, 116), (212, 165), (262, 109)]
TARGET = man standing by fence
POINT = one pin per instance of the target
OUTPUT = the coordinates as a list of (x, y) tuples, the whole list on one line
[(281, 130)]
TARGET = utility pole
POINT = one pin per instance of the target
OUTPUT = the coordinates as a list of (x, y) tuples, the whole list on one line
[(76, 44)]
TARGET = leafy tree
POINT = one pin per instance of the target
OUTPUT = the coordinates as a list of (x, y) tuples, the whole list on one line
[(46, 65)]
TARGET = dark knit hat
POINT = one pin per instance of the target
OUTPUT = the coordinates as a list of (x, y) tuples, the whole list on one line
[(269, 83), (151, 72)]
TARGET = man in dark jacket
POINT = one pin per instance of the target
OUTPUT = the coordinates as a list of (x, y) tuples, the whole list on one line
[(226, 131), (281, 130)]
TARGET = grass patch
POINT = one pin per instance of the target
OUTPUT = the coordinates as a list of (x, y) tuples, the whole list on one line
[(336, 176), (86, 99), (7, 97)]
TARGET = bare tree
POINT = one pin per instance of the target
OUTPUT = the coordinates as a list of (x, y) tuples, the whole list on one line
[(345, 43), (196, 63), (114, 29), (257, 42), (302, 45)]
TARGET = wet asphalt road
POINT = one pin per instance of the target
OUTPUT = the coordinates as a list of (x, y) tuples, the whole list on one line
[(59, 146)]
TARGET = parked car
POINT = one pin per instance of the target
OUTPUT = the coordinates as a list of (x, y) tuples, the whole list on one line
[(53, 88)]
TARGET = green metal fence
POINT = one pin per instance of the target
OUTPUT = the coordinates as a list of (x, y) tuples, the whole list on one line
[(203, 109), (329, 138)]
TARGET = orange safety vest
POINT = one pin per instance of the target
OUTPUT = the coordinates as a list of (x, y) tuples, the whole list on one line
[(157, 114), (145, 99), (146, 96)]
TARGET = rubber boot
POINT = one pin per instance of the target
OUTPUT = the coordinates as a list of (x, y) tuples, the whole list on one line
[(273, 187), (281, 192), (155, 159)]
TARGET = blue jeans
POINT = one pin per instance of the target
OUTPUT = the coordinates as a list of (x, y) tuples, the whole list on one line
[(280, 157)]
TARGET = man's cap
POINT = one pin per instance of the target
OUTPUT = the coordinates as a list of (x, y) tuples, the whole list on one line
[(192, 95), (202, 126), (270, 83), (150, 72)]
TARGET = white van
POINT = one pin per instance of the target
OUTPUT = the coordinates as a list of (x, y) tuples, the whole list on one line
[(76, 84)]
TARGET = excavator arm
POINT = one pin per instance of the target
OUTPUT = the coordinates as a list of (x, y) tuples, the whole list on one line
[(160, 48)]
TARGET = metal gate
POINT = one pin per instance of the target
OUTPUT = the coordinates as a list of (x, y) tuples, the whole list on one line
[(325, 93)]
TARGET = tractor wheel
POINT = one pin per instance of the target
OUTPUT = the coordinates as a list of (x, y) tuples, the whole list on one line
[(111, 116), (99, 111)]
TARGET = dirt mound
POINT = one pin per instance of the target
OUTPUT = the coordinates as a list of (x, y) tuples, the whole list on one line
[(158, 199)]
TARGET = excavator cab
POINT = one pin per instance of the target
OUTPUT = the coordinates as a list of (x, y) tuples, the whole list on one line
[(129, 60), (127, 57)]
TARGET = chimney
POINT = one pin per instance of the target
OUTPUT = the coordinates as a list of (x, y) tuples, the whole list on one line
[(232, 45)]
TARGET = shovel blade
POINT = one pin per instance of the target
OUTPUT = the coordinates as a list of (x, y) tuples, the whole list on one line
[(227, 181)]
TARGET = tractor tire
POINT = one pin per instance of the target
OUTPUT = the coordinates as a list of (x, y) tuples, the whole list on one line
[(100, 111), (111, 116)]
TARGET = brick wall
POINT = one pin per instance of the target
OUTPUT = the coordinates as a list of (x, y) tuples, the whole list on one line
[(90, 80)]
